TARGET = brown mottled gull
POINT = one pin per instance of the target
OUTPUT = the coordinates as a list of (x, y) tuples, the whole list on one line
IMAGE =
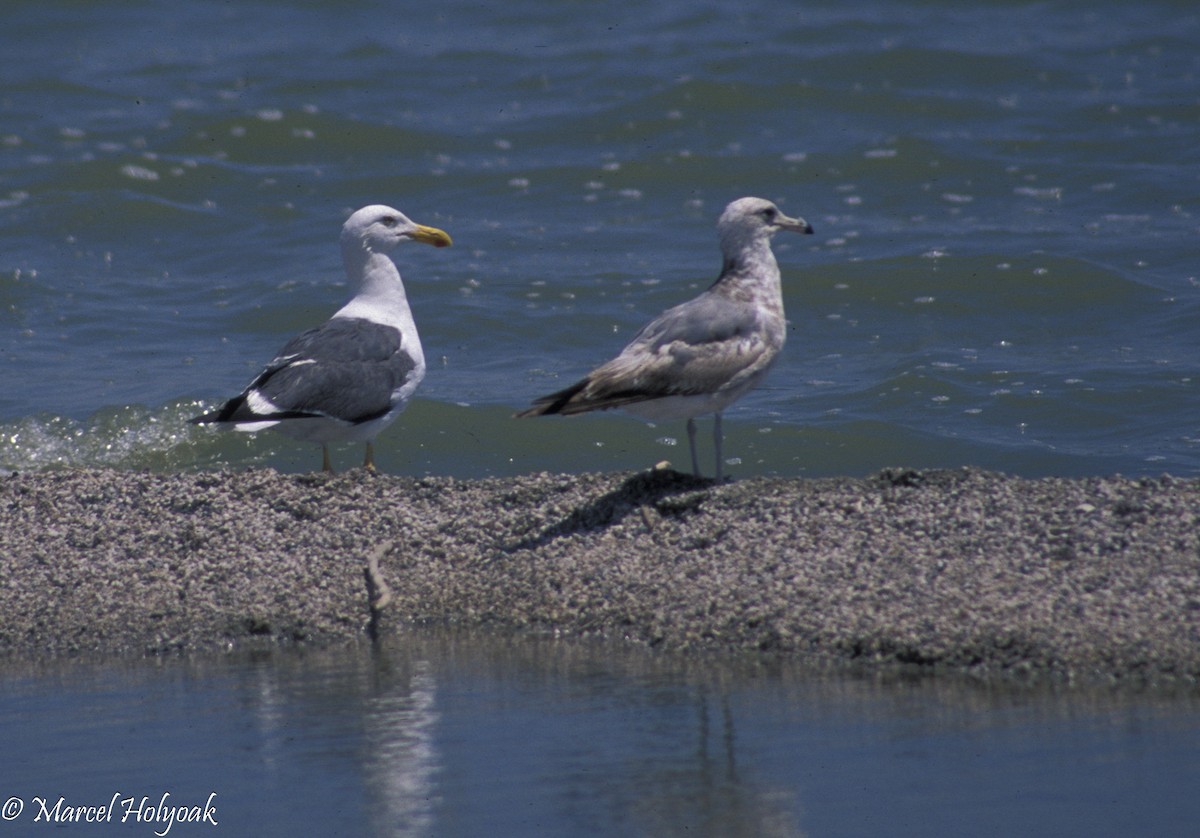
[(703, 355)]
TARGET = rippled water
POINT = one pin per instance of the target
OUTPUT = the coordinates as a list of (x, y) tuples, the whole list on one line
[(1004, 197)]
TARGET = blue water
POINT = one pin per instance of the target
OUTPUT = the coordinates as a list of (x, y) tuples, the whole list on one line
[(1003, 274), (445, 735)]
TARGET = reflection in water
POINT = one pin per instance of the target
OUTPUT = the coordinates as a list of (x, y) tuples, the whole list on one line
[(443, 733), (706, 795), (400, 754), (270, 709)]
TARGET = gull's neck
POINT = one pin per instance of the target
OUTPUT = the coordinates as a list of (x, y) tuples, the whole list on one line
[(380, 296), (750, 272)]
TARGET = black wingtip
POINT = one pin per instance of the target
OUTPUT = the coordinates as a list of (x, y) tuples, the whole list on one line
[(553, 403), (541, 407), (228, 412)]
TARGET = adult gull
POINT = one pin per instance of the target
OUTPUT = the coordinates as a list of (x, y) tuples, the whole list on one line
[(347, 379), (701, 356)]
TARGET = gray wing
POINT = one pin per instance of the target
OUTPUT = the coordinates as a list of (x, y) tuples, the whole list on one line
[(703, 346), (706, 320), (347, 369)]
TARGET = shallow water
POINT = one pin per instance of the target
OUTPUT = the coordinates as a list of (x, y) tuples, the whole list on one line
[(446, 734), (1003, 273)]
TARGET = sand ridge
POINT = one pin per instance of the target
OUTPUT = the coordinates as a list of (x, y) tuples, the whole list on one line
[(1095, 578)]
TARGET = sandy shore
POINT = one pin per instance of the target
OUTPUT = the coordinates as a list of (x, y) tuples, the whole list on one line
[(1094, 579)]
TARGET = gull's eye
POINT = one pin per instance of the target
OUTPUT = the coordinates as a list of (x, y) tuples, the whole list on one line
[(769, 215), (388, 221)]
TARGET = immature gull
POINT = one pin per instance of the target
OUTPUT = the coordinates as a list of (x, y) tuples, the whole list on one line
[(347, 379), (701, 356)]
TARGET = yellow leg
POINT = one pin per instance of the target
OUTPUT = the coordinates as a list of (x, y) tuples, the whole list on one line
[(325, 464), (369, 460)]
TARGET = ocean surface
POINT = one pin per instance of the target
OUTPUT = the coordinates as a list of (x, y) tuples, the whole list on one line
[(1004, 274)]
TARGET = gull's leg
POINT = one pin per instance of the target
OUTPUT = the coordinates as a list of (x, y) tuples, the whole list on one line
[(691, 426), (717, 442), (369, 459), (325, 464)]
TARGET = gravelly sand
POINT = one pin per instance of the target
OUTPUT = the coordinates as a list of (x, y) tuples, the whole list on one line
[(1094, 578)]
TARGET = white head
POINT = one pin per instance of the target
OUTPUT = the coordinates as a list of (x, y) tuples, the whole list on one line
[(748, 219), (377, 229)]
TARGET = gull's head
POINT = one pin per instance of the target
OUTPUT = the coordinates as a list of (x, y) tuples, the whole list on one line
[(751, 219), (377, 229)]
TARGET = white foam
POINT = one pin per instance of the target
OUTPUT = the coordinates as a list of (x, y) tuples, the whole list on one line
[(117, 437)]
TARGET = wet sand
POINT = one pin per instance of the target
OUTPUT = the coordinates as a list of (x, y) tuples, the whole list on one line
[(1095, 579)]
